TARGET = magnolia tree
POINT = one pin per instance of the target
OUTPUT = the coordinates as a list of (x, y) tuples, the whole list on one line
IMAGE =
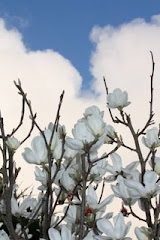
[(71, 174)]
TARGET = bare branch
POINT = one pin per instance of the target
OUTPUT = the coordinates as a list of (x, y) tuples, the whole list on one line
[(135, 215), (21, 119), (151, 114), (102, 191)]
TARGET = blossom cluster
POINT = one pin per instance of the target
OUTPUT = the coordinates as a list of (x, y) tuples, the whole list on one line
[(70, 173)]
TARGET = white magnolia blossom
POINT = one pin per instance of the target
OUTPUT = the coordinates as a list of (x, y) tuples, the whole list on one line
[(96, 125), (20, 209), (152, 138), (143, 233), (82, 135), (93, 110), (13, 143), (150, 188), (90, 236), (38, 152), (48, 135), (4, 235), (110, 134), (73, 214), (66, 180), (118, 99), (82, 132), (98, 170), (89, 134), (65, 234), (92, 202), (69, 153), (122, 191), (61, 130), (41, 175), (117, 168), (90, 130), (57, 153), (155, 165), (56, 143), (116, 232)]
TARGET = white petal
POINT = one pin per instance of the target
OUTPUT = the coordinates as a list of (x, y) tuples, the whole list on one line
[(66, 233), (117, 162), (29, 156), (106, 227), (92, 192), (150, 177), (54, 234), (106, 201), (74, 144)]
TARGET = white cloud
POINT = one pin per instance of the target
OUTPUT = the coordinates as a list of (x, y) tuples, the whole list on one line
[(121, 54), (44, 74)]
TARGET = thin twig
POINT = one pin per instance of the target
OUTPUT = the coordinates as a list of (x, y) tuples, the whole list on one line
[(102, 191), (151, 114), (135, 215), (107, 155), (21, 119)]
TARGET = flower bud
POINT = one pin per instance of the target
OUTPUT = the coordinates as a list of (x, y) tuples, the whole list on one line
[(13, 143)]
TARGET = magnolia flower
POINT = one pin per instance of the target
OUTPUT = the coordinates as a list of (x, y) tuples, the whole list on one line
[(67, 181), (121, 191), (92, 202), (93, 110), (3, 235), (65, 234), (41, 175), (118, 99), (110, 134), (96, 125), (90, 236), (13, 143), (48, 135), (116, 232), (117, 168), (38, 153), (69, 153), (74, 144), (155, 165), (143, 233), (150, 188), (152, 138), (57, 153), (98, 170), (82, 135), (82, 132), (88, 132), (56, 143), (73, 214), (21, 209), (61, 130)]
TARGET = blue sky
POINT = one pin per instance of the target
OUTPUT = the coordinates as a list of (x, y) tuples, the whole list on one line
[(65, 26)]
